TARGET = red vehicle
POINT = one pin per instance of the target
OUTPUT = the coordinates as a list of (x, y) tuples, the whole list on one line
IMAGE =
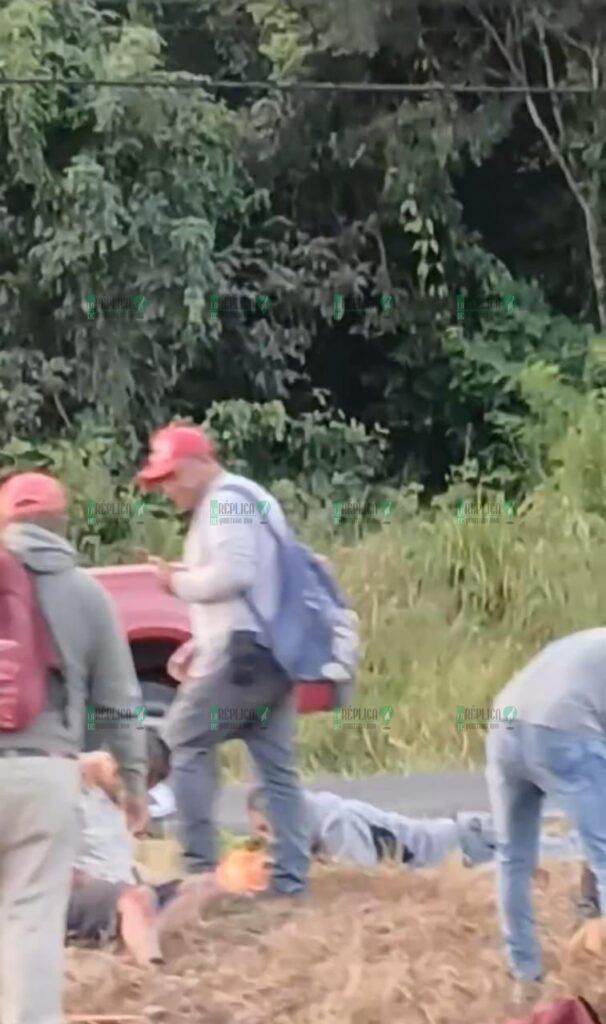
[(156, 623)]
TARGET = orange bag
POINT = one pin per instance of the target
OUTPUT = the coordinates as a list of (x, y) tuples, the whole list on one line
[(243, 871)]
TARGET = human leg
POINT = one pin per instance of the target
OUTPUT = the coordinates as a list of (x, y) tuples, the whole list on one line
[(577, 767), (223, 706), (137, 924), (516, 808), (272, 749), (192, 732), (38, 800)]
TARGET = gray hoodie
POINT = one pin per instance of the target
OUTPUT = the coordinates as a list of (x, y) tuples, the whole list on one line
[(97, 666), (343, 830)]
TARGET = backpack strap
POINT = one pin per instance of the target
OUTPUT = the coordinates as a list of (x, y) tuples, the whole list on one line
[(53, 653), (282, 539), (244, 492)]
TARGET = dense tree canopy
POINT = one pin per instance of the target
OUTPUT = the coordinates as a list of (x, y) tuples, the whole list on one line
[(162, 197)]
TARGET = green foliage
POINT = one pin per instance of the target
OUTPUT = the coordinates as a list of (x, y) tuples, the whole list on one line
[(172, 194), (102, 192), (321, 453)]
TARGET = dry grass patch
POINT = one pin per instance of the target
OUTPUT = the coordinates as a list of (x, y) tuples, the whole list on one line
[(390, 947)]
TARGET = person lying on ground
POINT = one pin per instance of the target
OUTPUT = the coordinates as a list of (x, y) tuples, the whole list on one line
[(108, 899), (357, 833)]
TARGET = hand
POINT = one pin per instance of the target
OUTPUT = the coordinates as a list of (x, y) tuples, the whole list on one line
[(100, 769), (164, 572), (178, 664), (137, 814)]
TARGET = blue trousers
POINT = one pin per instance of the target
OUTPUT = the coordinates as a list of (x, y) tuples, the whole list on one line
[(248, 698), (524, 763)]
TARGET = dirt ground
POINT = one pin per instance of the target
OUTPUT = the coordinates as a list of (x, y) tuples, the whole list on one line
[(393, 947)]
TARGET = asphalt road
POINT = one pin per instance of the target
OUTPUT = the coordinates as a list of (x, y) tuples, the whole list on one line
[(420, 795)]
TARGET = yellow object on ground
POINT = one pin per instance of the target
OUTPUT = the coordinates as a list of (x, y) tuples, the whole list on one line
[(159, 860)]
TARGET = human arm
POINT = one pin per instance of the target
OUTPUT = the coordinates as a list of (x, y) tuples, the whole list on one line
[(113, 685), (178, 664), (231, 568)]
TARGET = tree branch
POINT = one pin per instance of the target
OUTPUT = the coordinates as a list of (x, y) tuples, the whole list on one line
[(60, 409), (503, 49), (555, 100)]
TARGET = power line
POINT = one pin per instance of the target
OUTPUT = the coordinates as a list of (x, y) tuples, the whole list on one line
[(379, 87)]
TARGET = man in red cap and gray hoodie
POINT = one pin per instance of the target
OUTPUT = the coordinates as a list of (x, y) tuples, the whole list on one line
[(233, 685), (39, 773)]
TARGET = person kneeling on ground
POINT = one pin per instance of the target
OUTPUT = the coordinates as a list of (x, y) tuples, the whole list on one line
[(107, 898)]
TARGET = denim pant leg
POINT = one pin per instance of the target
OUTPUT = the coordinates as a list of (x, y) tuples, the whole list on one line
[(243, 699), (272, 749), (516, 808), (578, 766), (192, 735)]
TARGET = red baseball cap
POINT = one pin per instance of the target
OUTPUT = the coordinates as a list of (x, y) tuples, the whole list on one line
[(169, 446), (26, 494)]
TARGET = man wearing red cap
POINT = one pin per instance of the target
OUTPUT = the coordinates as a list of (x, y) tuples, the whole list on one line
[(39, 773), (233, 686)]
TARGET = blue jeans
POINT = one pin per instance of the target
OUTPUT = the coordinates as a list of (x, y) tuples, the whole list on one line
[(222, 706), (524, 763)]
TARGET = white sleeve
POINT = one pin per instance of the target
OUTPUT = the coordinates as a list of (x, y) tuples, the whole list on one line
[(231, 569)]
